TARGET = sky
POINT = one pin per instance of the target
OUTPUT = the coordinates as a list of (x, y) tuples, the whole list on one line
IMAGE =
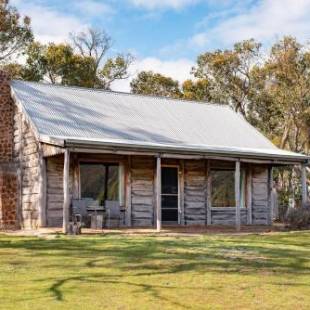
[(166, 36)]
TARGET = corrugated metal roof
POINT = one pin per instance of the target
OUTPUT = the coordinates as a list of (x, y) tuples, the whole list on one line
[(88, 115)]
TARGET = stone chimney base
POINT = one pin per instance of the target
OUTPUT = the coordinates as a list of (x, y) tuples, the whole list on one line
[(8, 198)]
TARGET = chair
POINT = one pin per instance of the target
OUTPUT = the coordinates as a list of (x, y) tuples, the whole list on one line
[(79, 209), (113, 212)]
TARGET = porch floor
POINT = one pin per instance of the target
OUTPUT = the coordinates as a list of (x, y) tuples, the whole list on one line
[(166, 230)]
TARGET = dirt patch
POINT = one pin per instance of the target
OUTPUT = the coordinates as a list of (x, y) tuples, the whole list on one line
[(166, 231)]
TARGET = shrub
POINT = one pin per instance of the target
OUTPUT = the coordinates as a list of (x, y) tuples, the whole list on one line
[(298, 218)]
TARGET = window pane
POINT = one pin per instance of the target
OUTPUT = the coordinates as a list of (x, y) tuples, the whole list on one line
[(223, 188), (93, 181), (169, 215), (113, 183), (169, 202), (169, 180)]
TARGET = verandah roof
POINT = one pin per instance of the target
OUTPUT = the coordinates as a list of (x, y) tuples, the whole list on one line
[(102, 118)]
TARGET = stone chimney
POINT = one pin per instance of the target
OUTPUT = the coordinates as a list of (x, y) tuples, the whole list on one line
[(8, 170), (6, 120)]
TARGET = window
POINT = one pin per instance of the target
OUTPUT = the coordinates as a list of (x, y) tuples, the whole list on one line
[(99, 181), (223, 188)]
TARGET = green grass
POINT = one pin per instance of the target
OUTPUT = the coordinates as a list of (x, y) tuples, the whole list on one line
[(147, 272)]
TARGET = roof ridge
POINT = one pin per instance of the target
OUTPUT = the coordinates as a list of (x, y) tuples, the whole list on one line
[(100, 90)]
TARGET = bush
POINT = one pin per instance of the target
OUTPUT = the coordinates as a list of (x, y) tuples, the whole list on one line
[(298, 218)]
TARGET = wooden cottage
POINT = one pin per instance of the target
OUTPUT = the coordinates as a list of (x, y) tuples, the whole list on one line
[(164, 161)]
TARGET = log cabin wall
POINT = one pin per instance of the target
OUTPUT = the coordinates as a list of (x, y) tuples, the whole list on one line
[(227, 216), (142, 191), (54, 189), (195, 183), (261, 209), (27, 155)]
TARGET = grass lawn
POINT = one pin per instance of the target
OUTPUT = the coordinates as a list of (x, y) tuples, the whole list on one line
[(270, 271)]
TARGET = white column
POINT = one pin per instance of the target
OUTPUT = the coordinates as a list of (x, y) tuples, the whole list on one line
[(128, 193), (304, 189), (209, 202), (66, 204), (270, 186), (158, 193), (237, 195), (182, 170), (249, 196), (42, 191)]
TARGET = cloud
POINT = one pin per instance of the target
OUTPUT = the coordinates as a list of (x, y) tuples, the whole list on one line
[(48, 24), (178, 69), (93, 8), (264, 21), (54, 23), (199, 40), (162, 4), (179, 4)]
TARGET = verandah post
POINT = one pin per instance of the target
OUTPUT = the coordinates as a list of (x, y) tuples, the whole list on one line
[(128, 192), (270, 200), (158, 193), (249, 195), (237, 195), (304, 189), (66, 203)]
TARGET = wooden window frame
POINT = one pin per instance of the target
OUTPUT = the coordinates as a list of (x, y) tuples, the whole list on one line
[(121, 176), (243, 189)]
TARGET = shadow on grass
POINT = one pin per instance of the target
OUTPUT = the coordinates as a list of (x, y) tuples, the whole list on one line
[(151, 289), (135, 257)]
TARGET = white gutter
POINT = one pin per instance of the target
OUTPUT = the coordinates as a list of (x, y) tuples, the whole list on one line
[(147, 146)]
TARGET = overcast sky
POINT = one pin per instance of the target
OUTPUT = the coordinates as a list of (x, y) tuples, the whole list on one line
[(167, 35)]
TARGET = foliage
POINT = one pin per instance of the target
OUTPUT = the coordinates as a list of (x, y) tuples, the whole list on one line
[(114, 69), (229, 73), (78, 64), (196, 90), (298, 218), (15, 32), (112, 271), (13, 69), (150, 83), (58, 64), (280, 106)]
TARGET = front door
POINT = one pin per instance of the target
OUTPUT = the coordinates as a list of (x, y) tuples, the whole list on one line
[(169, 195)]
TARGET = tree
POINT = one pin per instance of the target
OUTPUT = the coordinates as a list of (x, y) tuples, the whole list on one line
[(59, 65), (150, 83), (95, 43), (14, 70), (80, 72), (15, 32), (114, 69), (196, 90), (228, 72), (280, 103), (35, 67)]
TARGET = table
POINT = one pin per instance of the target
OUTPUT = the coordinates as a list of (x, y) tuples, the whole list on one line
[(96, 218)]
